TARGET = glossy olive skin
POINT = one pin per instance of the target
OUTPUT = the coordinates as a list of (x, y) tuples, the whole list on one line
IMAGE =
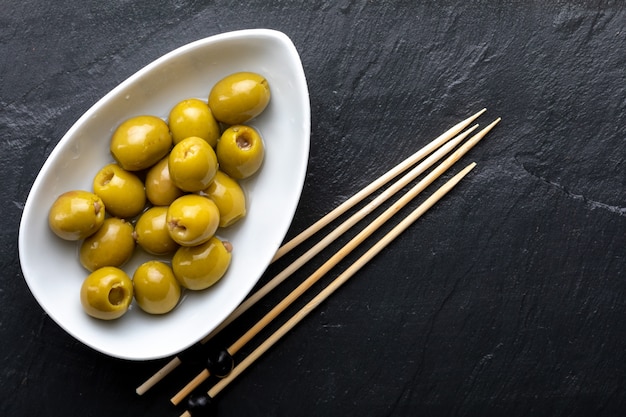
[(75, 215), (106, 293), (199, 267), (192, 164), (192, 219), (160, 189), (229, 198), (155, 287), (152, 234), (193, 117), (239, 97), (112, 245), (122, 192), (140, 142), (240, 151)]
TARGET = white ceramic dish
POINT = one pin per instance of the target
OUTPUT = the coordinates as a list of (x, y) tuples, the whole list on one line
[(50, 265)]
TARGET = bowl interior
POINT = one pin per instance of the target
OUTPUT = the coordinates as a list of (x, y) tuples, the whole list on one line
[(51, 267)]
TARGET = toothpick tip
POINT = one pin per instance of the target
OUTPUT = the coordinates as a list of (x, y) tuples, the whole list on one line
[(467, 169), (491, 125), (470, 119), (495, 122)]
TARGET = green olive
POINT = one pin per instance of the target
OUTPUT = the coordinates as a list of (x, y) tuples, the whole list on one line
[(192, 117), (106, 293), (140, 142), (240, 151), (155, 287), (121, 191), (239, 97), (192, 164), (74, 215), (229, 198), (192, 219), (112, 245), (160, 188), (200, 267), (152, 234)]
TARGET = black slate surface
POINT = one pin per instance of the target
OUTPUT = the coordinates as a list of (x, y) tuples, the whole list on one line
[(506, 299)]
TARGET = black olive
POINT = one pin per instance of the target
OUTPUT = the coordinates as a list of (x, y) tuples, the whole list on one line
[(200, 405), (220, 363)]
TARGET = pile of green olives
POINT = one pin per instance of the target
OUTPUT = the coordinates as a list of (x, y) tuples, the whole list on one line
[(172, 185)]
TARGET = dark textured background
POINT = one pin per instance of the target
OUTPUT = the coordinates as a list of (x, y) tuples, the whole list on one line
[(508, 298)]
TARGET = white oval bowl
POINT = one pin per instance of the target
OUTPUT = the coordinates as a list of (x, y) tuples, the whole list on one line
[(50, 265)]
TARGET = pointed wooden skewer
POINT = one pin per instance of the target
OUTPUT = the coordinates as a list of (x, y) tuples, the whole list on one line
[(335, 259), (342, 208), (375, 185), (338, 282), (339, 231)]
